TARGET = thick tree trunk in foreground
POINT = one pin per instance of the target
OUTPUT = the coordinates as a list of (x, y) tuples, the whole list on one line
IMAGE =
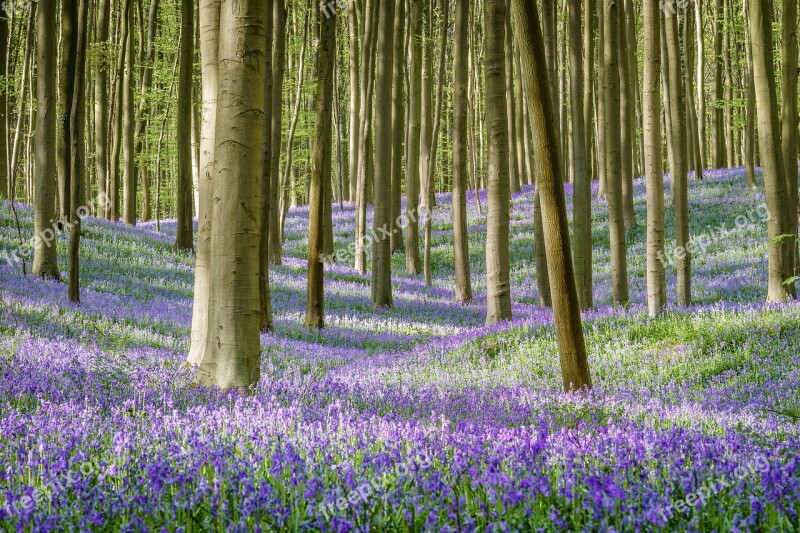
[(498, 290), (320, 174), (654, 166), (232, 352), (780, 249), (463, 286), (569, 329), (45, 259), (209, 18)]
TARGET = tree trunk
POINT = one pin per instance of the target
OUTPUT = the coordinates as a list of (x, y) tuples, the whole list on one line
[(128, 119), (567, 316), (413, 144), (654, 163), (265, 301), (779, 249), (355, 97), (45, 259), (693, 141), (463, 288), (184, 239), (65, 85), (582, 197), (498, 290), (789, 124), (101, 89), (4, 173), (514, 171), (209, 20), (321, 173), (700, 83), (717, 115), (678, 173), (730, 154), (79, 11), (231, 358), (398, 118), (611, 73), (278, 71), (626, 119), (381, 245)]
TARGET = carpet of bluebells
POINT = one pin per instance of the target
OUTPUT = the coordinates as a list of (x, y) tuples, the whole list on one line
[(416, 418)]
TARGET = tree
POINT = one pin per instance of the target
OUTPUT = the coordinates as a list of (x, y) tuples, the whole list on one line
[(128, 141), (654, 170), (101, 100), (789, 121), (231, 356), (779, 250), (321, 173), (677, 110), (265, 301), (184, 239), (45, 259), (4, 174), (278, 72), (583, 186), (569, 330), (463, 293), (78, 11), (717, 112), (398, 118), (619, 265), (498, 290), (381, 223), (413, 141), (626, 120)]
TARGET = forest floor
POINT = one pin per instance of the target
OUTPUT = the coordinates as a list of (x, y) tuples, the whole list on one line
[(409, 419)]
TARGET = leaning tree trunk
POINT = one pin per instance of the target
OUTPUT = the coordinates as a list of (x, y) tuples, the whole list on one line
[(463, 288), (566, 312), (381, 222), (582, 197), (654, 163), (611, 90), (779, 249), (184, 239), (678, 173), (321, 158), (498, 289), (45, 259), (232, 352)]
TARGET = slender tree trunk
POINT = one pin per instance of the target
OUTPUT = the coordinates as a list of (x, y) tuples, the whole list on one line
[(278, 71), (146, 81), (413, 158), (730, 154), (611, 74), (582, 200), (45, 259), (567, 316), (129, 184), (65, 83), (701, 69), (426, 132), (463, 286), (381, 224), (231, 358), (514, 170), (600, 120), (321, 173), (678, 173), (115, 178), (717, 115), (626, 120), (693, 141), (101, 103), (398, 117), (654, 165), (355, 96), (79, 11), (750, 124), (498, 289), (265, 301), (789, 124), (589, 74), (4, 174), (184, 239)]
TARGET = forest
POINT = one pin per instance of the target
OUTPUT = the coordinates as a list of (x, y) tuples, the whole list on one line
[(399, 265)]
